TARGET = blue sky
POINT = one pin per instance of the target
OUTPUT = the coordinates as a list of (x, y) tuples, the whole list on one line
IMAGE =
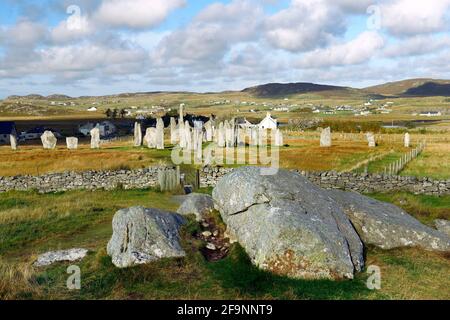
[(115, 46)]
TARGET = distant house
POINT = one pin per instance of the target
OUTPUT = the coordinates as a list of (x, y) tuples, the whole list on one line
[(431, 114), (7, 128), (107, 128), (92, 109), (268, 122)]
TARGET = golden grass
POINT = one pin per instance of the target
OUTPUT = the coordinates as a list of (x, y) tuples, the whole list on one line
[(433, 162)]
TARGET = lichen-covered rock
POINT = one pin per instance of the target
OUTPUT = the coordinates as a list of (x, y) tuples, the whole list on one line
[(143, 235), (443, 226), (387, 226), (198, 204), (287, 225), (51, 257), (48, 140)]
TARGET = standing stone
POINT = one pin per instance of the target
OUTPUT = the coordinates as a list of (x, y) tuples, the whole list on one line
[(198, 144), (137, 134), (48, 140), (72, 143), (407, 140), (325, 138), (159, 134), (254, 136), (13, 141), (188, 136), (229, 134), (150, 138), (278, 138), (371, 140), (173, 131), (262, 137), (221, 136), (95, 138), (181, 135), (209, 131)]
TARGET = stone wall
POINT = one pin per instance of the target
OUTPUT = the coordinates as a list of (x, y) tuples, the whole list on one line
[(146, 178)]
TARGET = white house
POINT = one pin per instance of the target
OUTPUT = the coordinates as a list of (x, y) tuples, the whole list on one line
[(268, 122), (93, 109), (431, 114)]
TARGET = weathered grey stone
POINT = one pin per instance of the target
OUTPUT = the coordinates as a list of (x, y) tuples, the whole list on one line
[(51, 257), (174, 138), (325, 137), (371, 139), (278, 138), (13, 141), (150, 137), (443, 226), (137, 134), (288, 225), (95, 138), (48, 140), (72, 143), (143, 235), (159, 134), (387, 226), (407, 140), (198, 204)]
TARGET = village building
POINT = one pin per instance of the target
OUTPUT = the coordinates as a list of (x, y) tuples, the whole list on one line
[(430, 114), (268, 123), (7, 128)]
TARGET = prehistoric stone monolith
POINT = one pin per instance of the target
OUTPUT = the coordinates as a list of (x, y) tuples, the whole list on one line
[(254, 136), (159, 134), (188, 136), (221, 138), (173, 131), (371, 140), (278, 139), (72, 143), (150, 138), (13, 141), (137, 134), (48, 140), (407, 140), (209, 131), (95, 138), (325, 138)]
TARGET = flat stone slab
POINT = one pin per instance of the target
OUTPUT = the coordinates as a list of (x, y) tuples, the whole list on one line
[(51, 257), (443, 226)]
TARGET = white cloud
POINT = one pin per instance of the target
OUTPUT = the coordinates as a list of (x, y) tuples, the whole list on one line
[(406, 17), (139, 14), (356, 51), (418, 45), (24, 34), (305, 25)]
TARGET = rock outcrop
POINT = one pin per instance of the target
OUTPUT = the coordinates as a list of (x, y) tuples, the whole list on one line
[(287, 225), (51, 257), (143, 235), (387, 226), (443, 226), (197, 204)]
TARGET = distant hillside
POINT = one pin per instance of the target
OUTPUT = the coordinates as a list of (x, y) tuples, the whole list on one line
[(416, 87), (282, 89)]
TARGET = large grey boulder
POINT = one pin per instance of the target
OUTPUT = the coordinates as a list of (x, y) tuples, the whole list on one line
[(387, 226), (51, 257), (48, 140), (443, 226), (143, 235), (197, 204), (287, 225)]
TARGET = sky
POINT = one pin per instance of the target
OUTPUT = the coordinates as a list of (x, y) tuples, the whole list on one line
[(99, 47)]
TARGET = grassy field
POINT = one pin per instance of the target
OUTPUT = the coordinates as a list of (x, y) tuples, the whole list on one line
[(31, 224)]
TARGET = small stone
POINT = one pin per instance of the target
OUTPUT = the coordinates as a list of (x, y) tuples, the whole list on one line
[(206, 234), (211, 246), (216, 233), (205, 225)]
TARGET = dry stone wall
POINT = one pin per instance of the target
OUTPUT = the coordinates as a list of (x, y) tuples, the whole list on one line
[(146, 178)]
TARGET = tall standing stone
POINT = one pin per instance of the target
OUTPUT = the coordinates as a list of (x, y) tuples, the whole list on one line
[(209, 131), (278, 139), (371, 140), (407, 140), (13, 141), (198, 144), (325, 138), (137, 134), (150, 138), (173, 131), (221, 136), (254, 136), (72, 143), (48, 140), (159, 134), (95, 138), (188, 136)]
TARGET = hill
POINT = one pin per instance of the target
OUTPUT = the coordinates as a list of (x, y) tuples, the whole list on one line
[(413, 87), (282, 89)]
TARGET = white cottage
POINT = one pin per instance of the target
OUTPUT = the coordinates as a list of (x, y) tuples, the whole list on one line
[(268, 122)]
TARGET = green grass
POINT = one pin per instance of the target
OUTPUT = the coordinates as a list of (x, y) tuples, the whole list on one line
[(32, 223)]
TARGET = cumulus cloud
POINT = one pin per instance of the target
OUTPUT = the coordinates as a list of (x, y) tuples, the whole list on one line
[(139, 14), (406, 18), (356, 51), (418, 45)]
